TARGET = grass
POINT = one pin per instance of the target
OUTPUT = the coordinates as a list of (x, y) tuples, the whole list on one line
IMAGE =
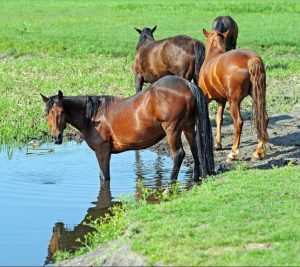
[(242, 217), (87, 47)]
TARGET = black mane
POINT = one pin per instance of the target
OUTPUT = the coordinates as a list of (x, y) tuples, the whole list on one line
[(220, 27), (49, 104), (146, 34), (94, 102)]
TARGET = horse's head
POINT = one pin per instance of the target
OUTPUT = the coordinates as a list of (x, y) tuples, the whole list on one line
[(56, 116), (215, 39), (145, 34)]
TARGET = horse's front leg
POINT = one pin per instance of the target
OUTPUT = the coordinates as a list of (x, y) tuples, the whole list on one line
[(238, 125), (103, 156), (139, 81), (219, 123)]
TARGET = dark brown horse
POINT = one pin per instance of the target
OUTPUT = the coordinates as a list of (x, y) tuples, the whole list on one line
[(226, 23), (231, 76), (180, 55), (111, 125)]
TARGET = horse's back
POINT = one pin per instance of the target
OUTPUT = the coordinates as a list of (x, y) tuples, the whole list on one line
[(237, 57), (169, 100), (180, 41), (170, 56)]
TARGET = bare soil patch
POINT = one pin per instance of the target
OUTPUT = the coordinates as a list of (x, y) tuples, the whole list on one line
[(282, 148)]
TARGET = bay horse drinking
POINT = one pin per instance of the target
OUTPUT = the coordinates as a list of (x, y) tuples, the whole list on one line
[(112, 125), (226, 23), (180, 55), (231, 76)]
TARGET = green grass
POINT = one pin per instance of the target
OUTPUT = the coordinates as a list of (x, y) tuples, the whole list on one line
[(87, 47), (242, 217)]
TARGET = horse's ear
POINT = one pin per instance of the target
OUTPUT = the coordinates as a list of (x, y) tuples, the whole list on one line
[(225, 34), (153, 30), (138, 30), (45, 98), (206, 33), (60, 95)]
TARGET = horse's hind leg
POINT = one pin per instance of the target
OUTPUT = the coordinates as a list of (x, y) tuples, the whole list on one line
[(260, 151), (219, 122), (190, 137), (174, 140), (238, 125)]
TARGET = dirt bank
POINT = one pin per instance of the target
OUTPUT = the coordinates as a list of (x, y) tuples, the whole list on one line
[(283, 146)]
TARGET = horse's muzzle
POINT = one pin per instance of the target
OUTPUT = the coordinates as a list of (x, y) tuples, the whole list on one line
[(58, 139)]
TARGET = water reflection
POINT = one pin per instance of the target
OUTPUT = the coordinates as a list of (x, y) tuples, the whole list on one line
[(157, 175), (53, 191), (64, 237)]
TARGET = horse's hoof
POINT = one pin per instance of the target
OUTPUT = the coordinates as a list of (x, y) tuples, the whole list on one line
[(232, 156), (218, 147), (229, 160), (258, 156)]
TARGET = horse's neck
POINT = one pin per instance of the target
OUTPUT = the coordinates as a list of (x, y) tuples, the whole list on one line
[(75, 109), (145, 42), (214, 51)]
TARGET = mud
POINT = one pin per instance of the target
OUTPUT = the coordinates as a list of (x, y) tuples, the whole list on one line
[(283, 146)]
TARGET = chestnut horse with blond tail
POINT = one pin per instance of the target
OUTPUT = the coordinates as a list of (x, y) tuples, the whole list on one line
[(231, 76)]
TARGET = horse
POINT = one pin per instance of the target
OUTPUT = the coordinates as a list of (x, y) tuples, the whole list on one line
[(223, 24), (111, 125), (180, 55), (231, 76)]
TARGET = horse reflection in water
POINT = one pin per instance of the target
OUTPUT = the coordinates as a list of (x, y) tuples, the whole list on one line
[(65, 239), (140, 170)]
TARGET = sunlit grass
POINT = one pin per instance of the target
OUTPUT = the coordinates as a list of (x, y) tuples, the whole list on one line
[(238, 218), (87, 47)]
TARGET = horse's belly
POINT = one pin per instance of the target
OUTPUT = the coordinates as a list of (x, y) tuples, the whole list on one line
[(134, 140)]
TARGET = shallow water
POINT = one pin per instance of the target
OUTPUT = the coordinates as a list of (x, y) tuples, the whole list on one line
[(45, 196)]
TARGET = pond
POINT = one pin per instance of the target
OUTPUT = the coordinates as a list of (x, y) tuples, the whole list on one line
[(45, 196)]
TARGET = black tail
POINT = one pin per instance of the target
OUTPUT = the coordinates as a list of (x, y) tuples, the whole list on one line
[(204, 139), (199, 50)]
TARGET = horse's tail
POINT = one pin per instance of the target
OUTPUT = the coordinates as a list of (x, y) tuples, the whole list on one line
[(204, 139), (258, 92), (199, 50)]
